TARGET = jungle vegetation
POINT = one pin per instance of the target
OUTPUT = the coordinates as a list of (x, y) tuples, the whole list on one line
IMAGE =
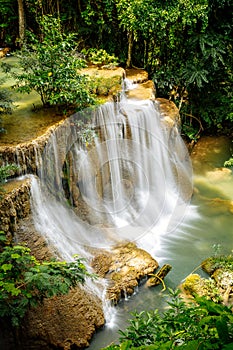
[(186, 46)]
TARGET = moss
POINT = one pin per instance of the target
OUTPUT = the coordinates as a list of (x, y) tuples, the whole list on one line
[(191, 283), (220, 262)]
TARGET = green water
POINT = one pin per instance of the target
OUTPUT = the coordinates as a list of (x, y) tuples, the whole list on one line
[(28, 119)]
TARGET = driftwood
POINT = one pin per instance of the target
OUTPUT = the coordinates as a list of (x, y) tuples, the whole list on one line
[(158, 277)]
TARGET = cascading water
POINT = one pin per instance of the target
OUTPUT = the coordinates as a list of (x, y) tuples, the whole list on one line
[(131, 181)]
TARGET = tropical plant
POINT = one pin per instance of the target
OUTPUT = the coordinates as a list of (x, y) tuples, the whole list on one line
[(52, 68), (25, 282), (203, 325)]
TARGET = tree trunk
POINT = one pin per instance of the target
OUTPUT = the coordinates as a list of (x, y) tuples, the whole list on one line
[(58, 9), (21, 22), (130, 48)]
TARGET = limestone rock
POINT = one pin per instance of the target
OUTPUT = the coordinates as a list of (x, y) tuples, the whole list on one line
[(4, 51), (124, 267), (169, 111), (14, 205), (65, 322), (137, 75), (144, 91)]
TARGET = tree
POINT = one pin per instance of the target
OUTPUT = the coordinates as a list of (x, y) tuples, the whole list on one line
[(52, 68), (21, 22), (8, 22)]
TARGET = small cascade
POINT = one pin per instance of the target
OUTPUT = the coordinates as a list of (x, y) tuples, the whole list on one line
[(131, 181)]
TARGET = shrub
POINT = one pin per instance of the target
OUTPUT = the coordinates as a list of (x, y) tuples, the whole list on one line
[(204, 325), (25, 282)]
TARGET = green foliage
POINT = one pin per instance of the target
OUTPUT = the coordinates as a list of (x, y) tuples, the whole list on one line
[(103, 86), (6, 102), (86, 133), (185, 45), (8, 19), (6, 171), (25, 282), (204, 325), (100, 57), (51, 68), (229, 163), (222, 262), (195, 60)]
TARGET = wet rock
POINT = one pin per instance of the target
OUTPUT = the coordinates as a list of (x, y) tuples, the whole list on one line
[(144, 91), (136, 75), (169, 111), (4, 51), (124, 267)]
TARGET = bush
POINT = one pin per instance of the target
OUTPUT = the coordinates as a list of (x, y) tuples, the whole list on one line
[(100, 57), (25, 282), (204, 325), (6, 103)]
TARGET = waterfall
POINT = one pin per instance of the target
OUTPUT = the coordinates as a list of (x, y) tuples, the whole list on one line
[(129, 179)]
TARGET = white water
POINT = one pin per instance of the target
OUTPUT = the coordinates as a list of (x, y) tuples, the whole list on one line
[(135, 183)]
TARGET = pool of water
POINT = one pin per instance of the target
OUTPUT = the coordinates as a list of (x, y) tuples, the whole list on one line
[(208, 223)]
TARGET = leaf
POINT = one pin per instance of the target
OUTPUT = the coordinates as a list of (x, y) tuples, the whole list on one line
[(6, 267)]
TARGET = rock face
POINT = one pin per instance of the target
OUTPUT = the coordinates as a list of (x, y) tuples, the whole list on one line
[(15, 205), (66, 322), (26, 155), (124, 267)]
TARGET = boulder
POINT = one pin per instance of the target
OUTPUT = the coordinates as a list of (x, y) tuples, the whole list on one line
[(219, 287), (124, 267)]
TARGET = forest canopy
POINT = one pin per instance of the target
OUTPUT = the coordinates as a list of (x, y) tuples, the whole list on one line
[(185, 45)]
